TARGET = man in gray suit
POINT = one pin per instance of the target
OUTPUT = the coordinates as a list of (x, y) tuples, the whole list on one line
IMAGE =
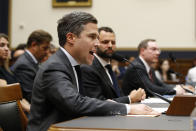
[(98, 81), (57, 91), (26, 66)]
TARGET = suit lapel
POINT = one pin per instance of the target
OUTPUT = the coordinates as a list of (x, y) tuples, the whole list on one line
[(103, 74), (30, 59), (64, 60), (143, 66)]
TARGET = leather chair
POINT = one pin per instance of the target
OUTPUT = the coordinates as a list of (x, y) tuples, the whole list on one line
[(12, 117)]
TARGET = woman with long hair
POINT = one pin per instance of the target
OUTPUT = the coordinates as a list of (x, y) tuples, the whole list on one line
[(164, 73), (6, 76)]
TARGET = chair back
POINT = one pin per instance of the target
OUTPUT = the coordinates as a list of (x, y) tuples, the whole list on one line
[(12, 117)]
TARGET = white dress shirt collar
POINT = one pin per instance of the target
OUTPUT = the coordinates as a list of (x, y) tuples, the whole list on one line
[(101, 60), (71, 59), (32, 56), (145, 64)]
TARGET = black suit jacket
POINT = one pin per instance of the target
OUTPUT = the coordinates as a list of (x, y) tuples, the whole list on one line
[(133, 81), (55, 97), (25, 70), (97, 83)]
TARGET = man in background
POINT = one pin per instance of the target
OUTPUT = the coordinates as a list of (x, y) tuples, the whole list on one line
[(26, 66), (99, 80), (140, 73)]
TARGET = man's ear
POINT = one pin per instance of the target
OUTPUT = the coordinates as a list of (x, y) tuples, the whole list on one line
[(71, 38), (34, 45), (142, 50)]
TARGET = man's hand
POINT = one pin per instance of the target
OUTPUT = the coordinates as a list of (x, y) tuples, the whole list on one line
[(141, 109), (137, 95), (179, 90)]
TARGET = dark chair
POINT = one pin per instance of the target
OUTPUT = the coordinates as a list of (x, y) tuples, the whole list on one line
[(12, 117)]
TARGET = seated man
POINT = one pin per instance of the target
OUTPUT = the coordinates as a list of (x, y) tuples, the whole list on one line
[(26, 66), (140, 74), (98, 81)]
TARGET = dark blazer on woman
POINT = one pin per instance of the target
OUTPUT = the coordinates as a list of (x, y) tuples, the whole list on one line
[(97, 83), (136, 76), (7, 76), (55, 96)]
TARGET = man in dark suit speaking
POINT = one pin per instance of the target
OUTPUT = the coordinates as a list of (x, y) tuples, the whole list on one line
[(99, 80), (140, 73), (57, 91)]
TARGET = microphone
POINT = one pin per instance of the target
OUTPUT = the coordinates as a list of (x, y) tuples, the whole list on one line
[(119, 58)]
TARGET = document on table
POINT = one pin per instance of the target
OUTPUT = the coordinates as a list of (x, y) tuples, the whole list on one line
[(161, 110), (154, 100), (143, 115)]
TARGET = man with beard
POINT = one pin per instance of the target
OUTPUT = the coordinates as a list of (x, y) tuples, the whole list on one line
[(99, 80)]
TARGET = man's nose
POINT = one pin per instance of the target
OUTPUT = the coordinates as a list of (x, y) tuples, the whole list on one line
[(97, 43), (109, 44), (6, 48)]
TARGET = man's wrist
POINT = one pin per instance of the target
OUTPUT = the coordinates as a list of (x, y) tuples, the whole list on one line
[(128, 107)]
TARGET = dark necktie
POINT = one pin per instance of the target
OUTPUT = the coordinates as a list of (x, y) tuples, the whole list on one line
[(78, 71), (115, 84), (150, 75)]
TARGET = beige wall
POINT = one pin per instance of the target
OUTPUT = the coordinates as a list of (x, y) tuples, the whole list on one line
[(171, 22)]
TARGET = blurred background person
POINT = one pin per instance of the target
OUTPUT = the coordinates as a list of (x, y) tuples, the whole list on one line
[(27, 65), (191, 75), (141, 74), (52, 49), (16, 53), (164, 73), (6, 76)]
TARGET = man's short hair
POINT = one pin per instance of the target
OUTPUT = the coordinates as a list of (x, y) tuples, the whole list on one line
[(2, 35), (106, 29), (38, 36), (73, 22), (144, 44)]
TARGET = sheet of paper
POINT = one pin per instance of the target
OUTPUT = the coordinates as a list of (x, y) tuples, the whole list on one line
[(154, 100), (143, 115), (161, 110)]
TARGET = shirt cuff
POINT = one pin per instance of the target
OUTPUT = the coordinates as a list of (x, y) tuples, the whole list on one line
[(128, 108), (129, 99)]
